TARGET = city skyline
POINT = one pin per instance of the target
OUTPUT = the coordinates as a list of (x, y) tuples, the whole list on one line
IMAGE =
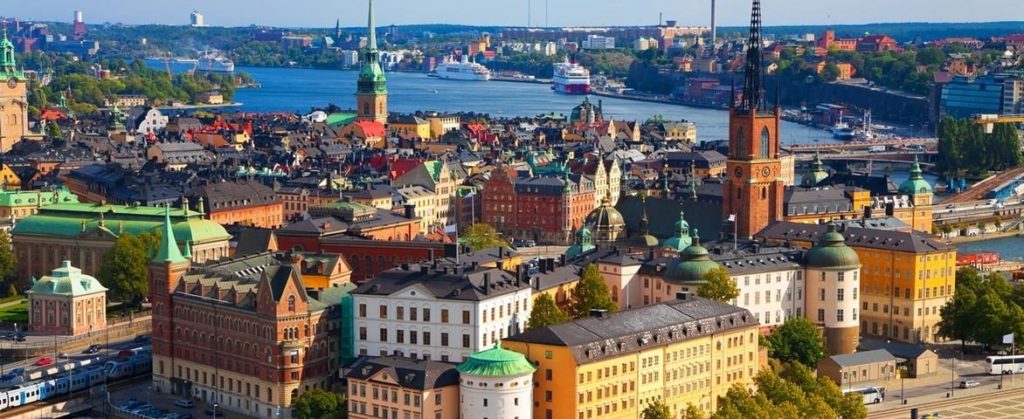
[(322, 13)]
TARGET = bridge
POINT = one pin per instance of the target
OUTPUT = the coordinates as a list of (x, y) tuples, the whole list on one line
[(981, 189), (861, 145), (895, 157)]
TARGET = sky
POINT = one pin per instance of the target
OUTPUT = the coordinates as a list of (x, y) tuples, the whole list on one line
[(322, 13)]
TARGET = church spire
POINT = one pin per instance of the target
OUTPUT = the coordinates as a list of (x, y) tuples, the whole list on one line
[(753, 78), (371, 27), (8, 65), (168, 251)]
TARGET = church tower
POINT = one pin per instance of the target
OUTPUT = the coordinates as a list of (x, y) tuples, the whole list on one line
[(754, 188), (372, 87), (13, 97), (165, 271)]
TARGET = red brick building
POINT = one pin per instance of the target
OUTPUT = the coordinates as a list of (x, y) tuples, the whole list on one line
[(877, 43), (246, 203), (367, 258), (249, 338), (545, 208), (828, 41), (347, 219)]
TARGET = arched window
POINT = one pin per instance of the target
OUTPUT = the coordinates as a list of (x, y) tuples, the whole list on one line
[(366, 108), (291, 303), (741, 143), (765, 140), (764, 193)]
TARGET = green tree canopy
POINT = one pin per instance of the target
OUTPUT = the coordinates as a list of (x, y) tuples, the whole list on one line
[(693, 412), (545, 313), (965, 148), (794, 392), (320, 404), (718, 286), (983, 309), (591, 293), (657, 410), (124, 268), (797, 340), (481, 236), (8, 264)]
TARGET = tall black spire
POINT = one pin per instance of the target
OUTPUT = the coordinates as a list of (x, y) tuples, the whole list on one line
[(753, 83)]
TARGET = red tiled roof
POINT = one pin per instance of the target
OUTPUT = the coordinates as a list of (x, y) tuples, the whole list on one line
[(371, 129)]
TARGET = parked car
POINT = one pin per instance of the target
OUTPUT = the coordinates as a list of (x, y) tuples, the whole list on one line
[(44, 361), (141, 338), (91, 349), (184, 403), (969, 384)]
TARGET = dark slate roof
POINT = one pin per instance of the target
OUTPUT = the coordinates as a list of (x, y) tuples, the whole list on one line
[(252, 240), (862, 358), (408, 373), (897, 349), (558, 276), (663, 213), (902, 241), (445, 281), (596, 338), (227, 195), (800, 201), (702, 159), (750, 258)]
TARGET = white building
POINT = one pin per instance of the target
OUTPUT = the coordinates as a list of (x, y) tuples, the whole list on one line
[(147, 120), (550, 49), (439, 310), (598, 42), (496, 384), (833, 280), (644, 44), (198, 20), (349, 58)]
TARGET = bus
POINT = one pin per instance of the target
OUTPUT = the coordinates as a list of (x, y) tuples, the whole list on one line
[(871, 395), (1005, 364)]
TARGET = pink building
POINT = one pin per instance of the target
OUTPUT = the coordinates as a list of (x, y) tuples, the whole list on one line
[(67, 303)]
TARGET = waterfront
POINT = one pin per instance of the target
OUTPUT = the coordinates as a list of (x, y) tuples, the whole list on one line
[(298, 90), (1009, 248)]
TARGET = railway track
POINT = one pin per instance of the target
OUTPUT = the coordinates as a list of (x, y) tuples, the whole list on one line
[(903, 412), (978, 191)]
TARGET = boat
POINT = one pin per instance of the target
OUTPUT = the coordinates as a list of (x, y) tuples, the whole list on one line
[(843, 131), (462, 70), (571, 78), (211, 62)]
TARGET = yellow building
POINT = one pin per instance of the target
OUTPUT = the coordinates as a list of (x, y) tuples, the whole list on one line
[(401, 387), (11, 181), (614, 365), (13, 98), (409, 126), (15, 205), (905, 279)]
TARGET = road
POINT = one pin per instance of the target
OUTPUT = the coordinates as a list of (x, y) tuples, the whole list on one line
[(102, 356), (978, 190)]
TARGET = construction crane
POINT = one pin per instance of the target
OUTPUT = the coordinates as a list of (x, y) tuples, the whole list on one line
[(990, 119)]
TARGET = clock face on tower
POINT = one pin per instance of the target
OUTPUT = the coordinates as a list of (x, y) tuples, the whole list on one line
[(12, 82), (765, 172), (738, 171)]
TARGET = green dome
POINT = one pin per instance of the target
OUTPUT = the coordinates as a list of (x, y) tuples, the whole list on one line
[(916, 183), (832, 252), (583, 244), (681, 240), (496, 362), (693, 264), (644, 240), (816, 175)]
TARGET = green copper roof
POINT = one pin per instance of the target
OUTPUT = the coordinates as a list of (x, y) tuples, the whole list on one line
[(36, 198), (832, 252), (77, 219), (371, 74), (694, 263), (66, 281), (583, 244), (682, 239), (8, 65), (496, 362), (817, 173), (168, 251), (916, 183), (340, 118)]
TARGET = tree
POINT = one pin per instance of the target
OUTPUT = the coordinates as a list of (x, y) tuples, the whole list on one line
[(657, 410), (481, 236), (320, 404), (124, 269), (545, 313), (830, 72), (591, 293), (718, 286), (12, 290), (8, 264), (797, 340), (693, 412), (794, 392)]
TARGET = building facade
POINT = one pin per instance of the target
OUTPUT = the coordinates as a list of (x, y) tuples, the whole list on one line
[(440, 311), (13, 98), (372, 91), (496, 383), (395, 386), (67, 303), (615, 365)]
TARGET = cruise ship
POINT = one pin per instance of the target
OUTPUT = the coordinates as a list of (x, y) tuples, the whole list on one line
[(462, 70), (571, 79), (216, 63)]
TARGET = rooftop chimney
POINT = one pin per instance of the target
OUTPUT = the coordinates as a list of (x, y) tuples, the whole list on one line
[(487, 283)]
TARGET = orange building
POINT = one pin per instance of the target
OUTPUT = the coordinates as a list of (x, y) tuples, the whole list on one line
[(846, 70), (396, 386), (245, 203), (829, 41)]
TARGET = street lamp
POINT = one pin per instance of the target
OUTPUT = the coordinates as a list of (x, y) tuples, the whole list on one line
[(952, 371)]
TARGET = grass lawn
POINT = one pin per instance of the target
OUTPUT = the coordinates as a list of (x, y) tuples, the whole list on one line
[(17, 313)]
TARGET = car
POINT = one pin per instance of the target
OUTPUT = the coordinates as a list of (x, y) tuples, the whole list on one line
[(530, 243), (62, 355), (141, 338), (20, 338), (184, 403), (91, 349), (969, 384), (44, 361)]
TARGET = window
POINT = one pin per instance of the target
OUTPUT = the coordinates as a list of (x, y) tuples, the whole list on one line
[(854, 314), (362, 310), (426, 314), (839, 315), (839, 294), (413, 314), (291, 303), (383, 334), (399, 313), (383, 311), (444, 315), (765, 140), (855, 294), (821, 315), (444, 339), (426, 338), (822, 294), (465, 340), (465, 316), (547, 374)]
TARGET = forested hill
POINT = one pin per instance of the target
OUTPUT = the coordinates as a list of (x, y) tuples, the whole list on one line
[(902, 32)]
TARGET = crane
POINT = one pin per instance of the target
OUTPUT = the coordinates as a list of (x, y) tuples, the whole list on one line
[(989, 119)]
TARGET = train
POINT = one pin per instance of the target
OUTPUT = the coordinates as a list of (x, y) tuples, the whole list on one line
[(76, 379)]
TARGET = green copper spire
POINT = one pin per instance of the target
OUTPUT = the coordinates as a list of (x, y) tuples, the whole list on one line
[(8, 65), (916, 184), (371, 74), (187, 254), (168, 251)]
